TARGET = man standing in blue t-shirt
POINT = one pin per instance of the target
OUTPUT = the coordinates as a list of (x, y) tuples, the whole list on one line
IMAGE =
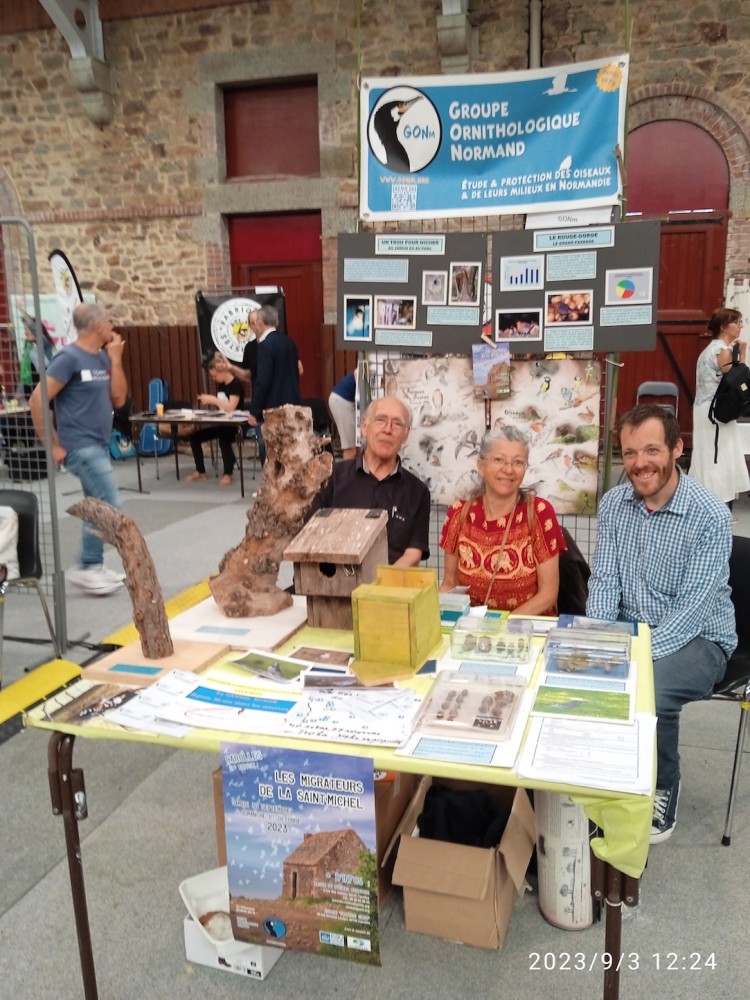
[(86, 380)]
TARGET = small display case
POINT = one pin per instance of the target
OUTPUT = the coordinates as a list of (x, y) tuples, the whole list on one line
[(493, 639), (588, 652), (454, 604), (465, 705)]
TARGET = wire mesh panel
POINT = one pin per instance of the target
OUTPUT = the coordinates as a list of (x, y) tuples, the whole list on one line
[(27, 343)]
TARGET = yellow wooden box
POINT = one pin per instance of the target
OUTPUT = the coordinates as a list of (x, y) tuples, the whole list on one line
[(396, 623)]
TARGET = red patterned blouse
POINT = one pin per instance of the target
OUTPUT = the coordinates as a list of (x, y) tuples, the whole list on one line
[(477, 542)]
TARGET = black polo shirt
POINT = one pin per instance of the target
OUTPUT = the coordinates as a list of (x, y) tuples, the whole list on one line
[(402, 495)]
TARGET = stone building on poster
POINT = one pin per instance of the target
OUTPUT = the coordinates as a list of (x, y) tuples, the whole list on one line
[(309, 869)]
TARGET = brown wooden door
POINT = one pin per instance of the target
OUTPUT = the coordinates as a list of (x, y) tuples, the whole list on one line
[(691, 286), (678, 172), (303, 294)]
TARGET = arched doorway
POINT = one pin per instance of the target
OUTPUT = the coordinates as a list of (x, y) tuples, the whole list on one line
[(678, 172)]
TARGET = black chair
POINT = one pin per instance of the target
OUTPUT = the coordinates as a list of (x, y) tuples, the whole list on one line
[(573, 591), (735, 685), (29, 560)]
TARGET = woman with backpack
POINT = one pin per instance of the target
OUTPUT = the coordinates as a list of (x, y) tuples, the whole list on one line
[(718, 462)]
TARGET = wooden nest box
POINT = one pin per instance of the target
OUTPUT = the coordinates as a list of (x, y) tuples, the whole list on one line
[(396, 624), (337, 551)]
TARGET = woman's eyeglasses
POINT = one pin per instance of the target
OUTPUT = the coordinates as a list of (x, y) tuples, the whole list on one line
[(516, 464)]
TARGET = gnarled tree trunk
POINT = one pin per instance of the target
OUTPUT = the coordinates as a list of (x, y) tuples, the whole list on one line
[(296, 467), (149, 614)]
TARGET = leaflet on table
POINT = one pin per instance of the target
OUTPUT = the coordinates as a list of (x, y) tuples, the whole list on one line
[(88, 703), (244, 708), (377, 716), (591, 754), (146, 712), (471, 719)]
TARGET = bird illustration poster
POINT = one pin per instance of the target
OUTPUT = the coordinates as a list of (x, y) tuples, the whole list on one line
[(301, 850), (492, 143), (556, 401)]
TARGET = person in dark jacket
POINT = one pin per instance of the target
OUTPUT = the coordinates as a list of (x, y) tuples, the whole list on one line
[(277, 380)]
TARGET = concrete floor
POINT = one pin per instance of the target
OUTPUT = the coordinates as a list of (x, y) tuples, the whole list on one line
[(151, 825)]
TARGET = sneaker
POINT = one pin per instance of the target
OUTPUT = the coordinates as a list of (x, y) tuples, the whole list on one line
[(113, 574), (95, 579), (665, 813)]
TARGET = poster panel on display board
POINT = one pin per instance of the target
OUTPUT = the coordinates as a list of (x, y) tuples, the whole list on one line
[(556, 402), (414, 292), (492, 143), (591, 288), (301, 850)]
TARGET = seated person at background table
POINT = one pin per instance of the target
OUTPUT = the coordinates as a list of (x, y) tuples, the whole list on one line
[(502, 543), (229, 397), (377, 479), (662, 557)]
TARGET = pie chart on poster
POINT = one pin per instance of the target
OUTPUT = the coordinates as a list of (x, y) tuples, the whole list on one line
[(625, 289)]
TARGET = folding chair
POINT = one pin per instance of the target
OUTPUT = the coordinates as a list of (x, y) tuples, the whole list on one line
[(735, 685), (29, 560), (660, 390)]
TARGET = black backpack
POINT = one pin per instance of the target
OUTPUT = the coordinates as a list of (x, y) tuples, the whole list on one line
[(732, 397)]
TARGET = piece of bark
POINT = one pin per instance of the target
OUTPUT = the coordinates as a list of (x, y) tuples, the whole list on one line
[(149, 613), (295, 469)]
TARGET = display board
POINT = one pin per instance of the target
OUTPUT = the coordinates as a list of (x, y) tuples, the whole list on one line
[(592, 288), (586, 289), (556, 402), (419, 293)]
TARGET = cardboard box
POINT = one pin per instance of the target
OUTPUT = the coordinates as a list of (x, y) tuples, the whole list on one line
[(393, 793), (464, 894), (253, 960)]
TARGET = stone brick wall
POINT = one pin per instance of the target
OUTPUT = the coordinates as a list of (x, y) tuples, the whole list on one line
[(138, 205)]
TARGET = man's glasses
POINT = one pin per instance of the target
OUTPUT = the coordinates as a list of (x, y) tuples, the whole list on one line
[(395, 422)]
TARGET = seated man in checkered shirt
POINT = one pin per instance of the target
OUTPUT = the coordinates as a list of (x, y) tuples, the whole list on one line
[(662, 557)]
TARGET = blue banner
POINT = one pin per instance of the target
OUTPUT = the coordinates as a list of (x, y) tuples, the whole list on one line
[(492, 144)]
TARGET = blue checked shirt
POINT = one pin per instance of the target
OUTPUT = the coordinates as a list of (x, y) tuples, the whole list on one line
[(669, 568)]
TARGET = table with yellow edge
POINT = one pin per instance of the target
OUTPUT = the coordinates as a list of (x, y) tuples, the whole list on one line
[(619, 851)]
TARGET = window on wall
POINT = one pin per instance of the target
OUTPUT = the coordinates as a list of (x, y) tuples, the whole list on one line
[(272, 130)]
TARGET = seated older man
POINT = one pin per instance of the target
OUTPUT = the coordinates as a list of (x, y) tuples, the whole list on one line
[(377, 479)]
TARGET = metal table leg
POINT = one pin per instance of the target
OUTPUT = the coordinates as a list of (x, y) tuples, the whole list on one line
[(68, 795), (615, 890)]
